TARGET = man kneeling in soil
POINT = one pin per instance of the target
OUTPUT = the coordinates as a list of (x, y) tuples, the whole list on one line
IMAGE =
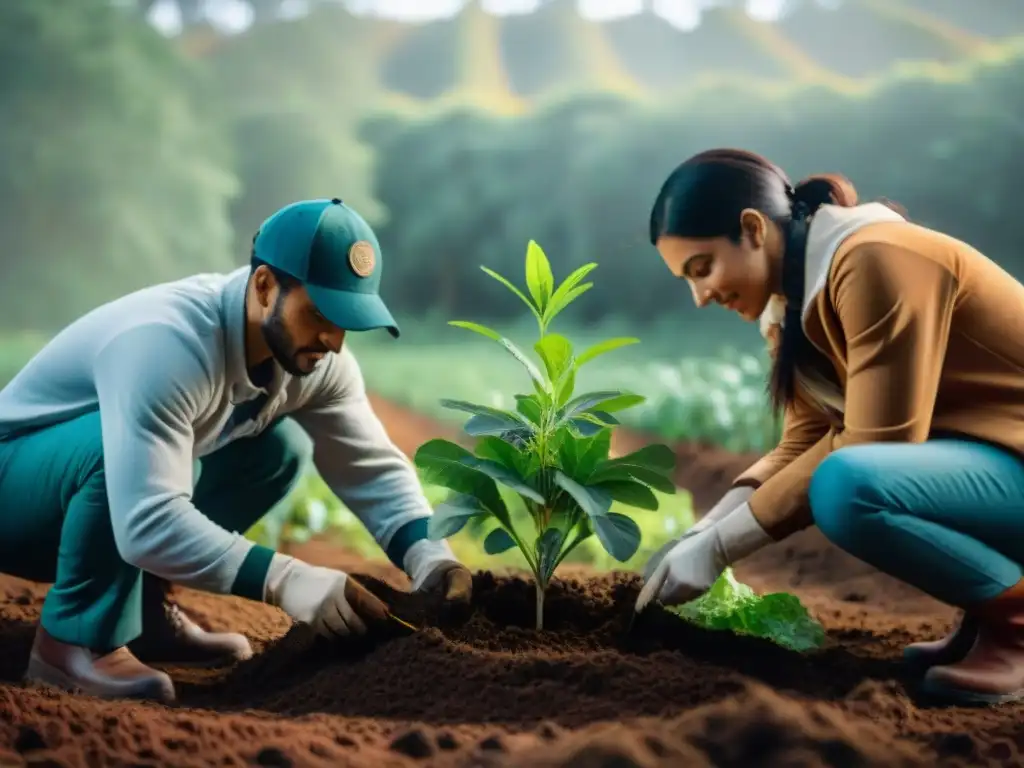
[(141, 443)]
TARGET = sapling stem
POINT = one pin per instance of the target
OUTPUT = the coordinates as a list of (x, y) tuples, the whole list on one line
[(539, 604)]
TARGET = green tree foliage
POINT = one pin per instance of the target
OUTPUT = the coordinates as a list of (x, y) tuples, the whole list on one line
[(290, 93), (580, 175), (111, 172)]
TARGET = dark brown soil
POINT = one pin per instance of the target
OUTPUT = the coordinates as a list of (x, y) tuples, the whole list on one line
[(490, 691)]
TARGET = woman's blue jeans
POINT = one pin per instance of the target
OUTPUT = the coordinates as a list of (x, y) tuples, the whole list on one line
[(946, 516)]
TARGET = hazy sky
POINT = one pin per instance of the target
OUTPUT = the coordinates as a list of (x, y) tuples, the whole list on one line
[(234, 15)]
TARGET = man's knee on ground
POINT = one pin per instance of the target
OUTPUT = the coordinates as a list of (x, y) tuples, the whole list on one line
[(844, 497)]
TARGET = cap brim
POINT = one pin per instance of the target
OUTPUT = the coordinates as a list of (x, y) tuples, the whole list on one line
[(353, 311)]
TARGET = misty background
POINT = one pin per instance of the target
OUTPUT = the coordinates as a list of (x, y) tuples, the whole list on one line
[(145, 140)]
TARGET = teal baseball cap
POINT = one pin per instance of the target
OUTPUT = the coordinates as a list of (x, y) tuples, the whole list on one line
[(334, 253)]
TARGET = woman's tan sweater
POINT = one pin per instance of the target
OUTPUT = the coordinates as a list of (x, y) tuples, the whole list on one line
[(926, 335)]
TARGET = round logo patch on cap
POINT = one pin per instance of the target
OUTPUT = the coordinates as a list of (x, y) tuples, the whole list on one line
[(362, 259)]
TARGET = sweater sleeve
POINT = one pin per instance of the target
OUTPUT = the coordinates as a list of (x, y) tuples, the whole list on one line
[(802, 426), (150, 383), (359, 461), (895, 308)]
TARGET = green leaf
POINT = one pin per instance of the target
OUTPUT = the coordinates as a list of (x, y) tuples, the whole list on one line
[(619, 535), (499, 449), (599, 417), (487, 420), (499, 540), (529, 407), (565, 388), (549, 545), (732, 606), (608, 471), (655, 456), (567, 299), (594, 501), (631, 492), (483, 330), (591, 452), (585, 427), (604, 347), (441, 463), (527, 363), (504, 475), (452, 515), (555, 352), (568, 456), (585, 402), (539, 279), (622, 402), (565, 293), (514, 290)]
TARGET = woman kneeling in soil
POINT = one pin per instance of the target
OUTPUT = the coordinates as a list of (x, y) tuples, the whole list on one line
[(899, 365)]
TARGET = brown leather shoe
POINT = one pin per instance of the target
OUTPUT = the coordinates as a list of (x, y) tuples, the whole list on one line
[(170, 637), (947, 650), (992, 672), (114, 675)]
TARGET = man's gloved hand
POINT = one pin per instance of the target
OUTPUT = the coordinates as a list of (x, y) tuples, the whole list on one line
[(694, 564), (332, 602), (432, 565), (729, 501)]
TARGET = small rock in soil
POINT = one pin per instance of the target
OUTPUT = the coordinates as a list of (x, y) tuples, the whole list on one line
[(414, 743)]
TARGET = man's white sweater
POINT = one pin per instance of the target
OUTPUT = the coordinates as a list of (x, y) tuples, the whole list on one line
[(166, 368)]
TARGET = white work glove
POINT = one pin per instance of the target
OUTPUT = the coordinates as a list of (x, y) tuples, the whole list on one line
[(330, 601), (730, 501), (432, 565), (693, 565)]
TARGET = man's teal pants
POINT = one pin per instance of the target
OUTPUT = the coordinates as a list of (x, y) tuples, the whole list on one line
[(55, 523), (946, 516)]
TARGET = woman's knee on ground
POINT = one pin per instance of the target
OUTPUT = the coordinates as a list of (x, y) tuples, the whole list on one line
[(844, 497)]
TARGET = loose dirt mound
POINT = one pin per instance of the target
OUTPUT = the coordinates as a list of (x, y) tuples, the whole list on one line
[(489, 691)]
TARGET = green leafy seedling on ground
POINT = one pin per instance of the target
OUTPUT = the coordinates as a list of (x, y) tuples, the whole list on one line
[(779, 616), (553, 450)]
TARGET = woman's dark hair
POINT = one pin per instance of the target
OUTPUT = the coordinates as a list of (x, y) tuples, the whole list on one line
[(704, 196)]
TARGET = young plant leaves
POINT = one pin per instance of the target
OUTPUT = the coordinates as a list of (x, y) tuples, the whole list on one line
[(594, 501), (590, 453), (483, 330), (539, 280), (608, 471), (630, 492), (568, 291), (660, 458), (555, 352), (585, 402), (505, 453), (487, 420), (516, 291), (504, 475), (499, 540), (443, 463), (619, 535), (622, 402), (451, 516), (604, 347), (531, 368)]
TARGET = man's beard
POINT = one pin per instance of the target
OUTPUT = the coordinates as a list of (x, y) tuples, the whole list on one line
[(280, 343)]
